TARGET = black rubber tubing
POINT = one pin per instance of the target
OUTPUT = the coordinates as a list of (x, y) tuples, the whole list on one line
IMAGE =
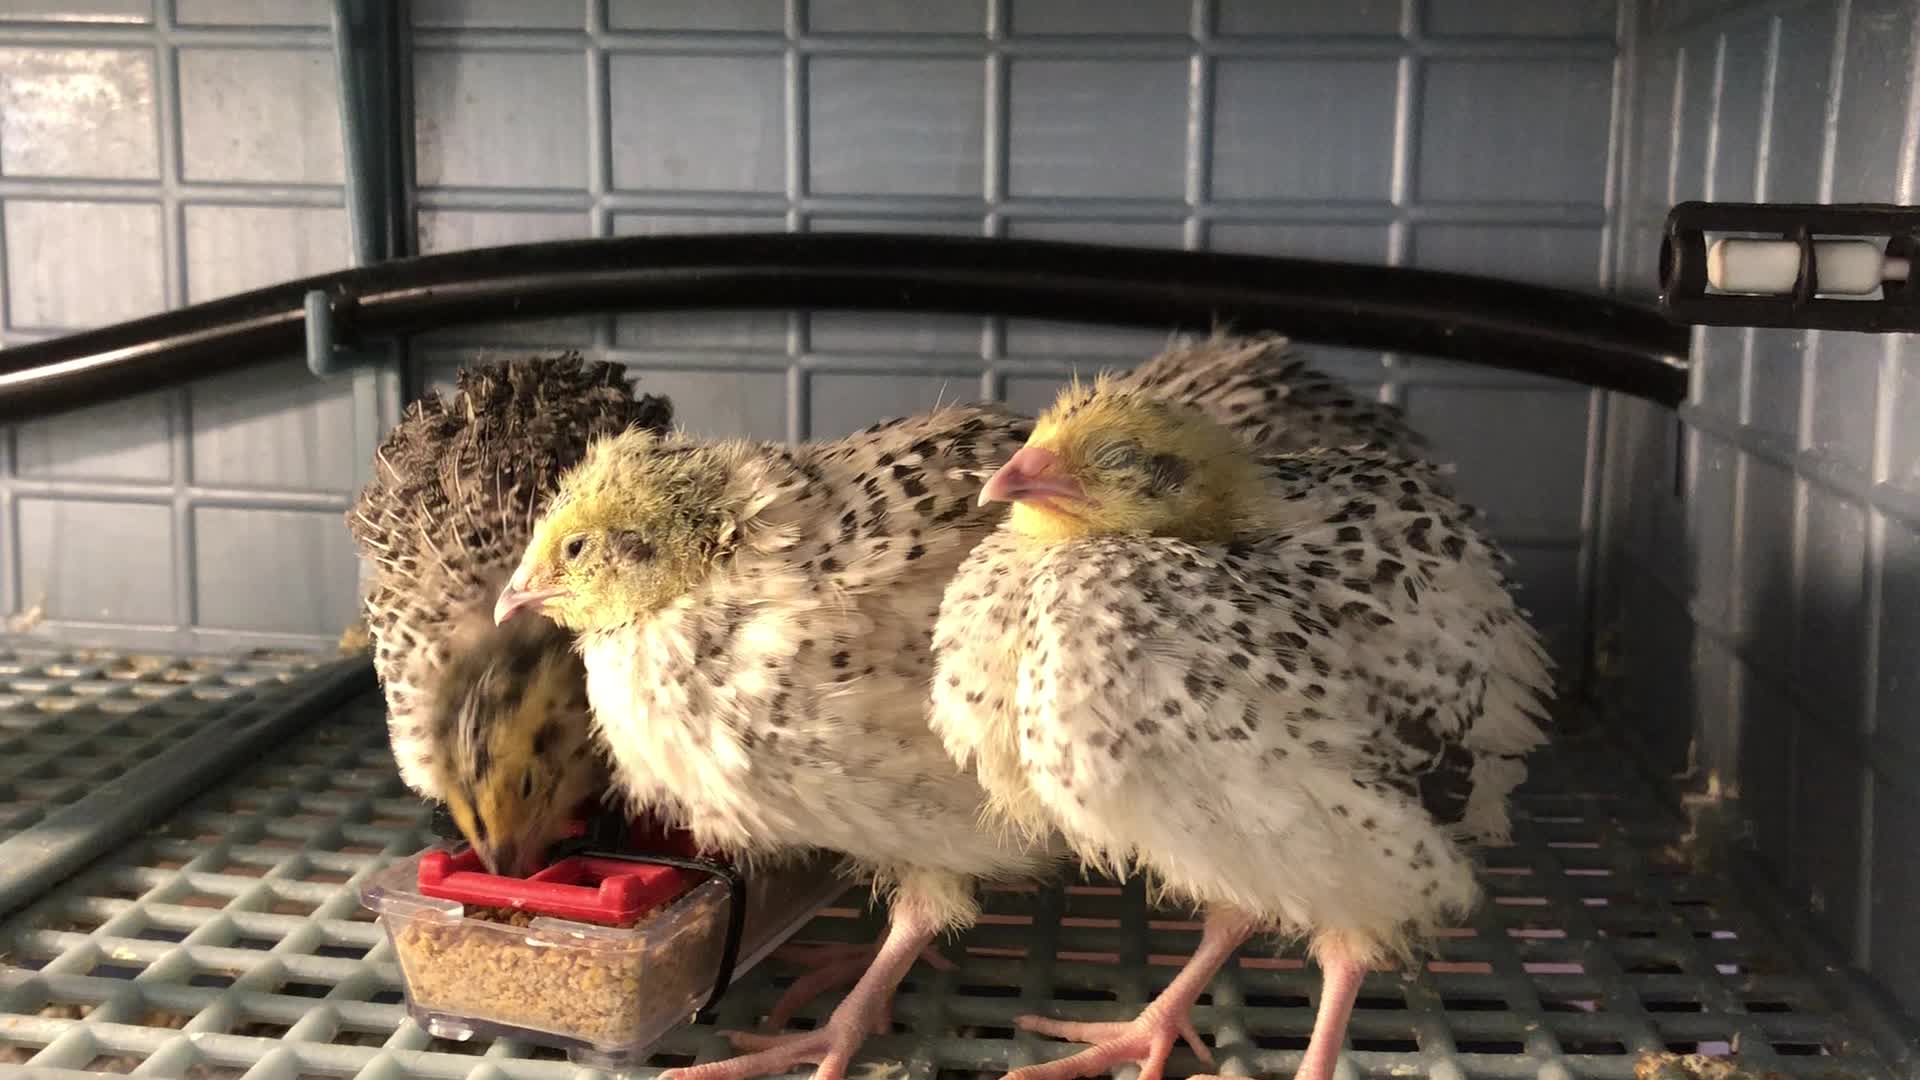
[(1592, 339)]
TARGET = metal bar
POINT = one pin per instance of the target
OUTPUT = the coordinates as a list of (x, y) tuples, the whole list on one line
[(363, 65), (359, 131), (1595, 340)]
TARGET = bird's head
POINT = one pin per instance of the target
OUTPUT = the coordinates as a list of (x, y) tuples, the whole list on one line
[(522, 756), (1104, 462), (633, 527)]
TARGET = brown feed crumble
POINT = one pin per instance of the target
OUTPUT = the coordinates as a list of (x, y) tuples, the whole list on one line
[(578, 988)]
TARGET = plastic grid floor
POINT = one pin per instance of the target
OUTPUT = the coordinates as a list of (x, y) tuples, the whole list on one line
[(72, 719), (229, 942), (99, 745)]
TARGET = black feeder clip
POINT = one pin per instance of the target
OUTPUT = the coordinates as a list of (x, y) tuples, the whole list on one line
[(442, 825), (1791, 265)]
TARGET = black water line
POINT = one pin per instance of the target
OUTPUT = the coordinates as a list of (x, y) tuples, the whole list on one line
[(1591, 339)]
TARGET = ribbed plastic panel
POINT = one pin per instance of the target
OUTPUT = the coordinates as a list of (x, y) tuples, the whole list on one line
[(184, 150), (1762, 559), (229, 942)]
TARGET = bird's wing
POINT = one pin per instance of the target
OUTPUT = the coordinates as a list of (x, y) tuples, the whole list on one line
[(1256, 730), (1267, 393), (451, 502), (463, 474), (1434, 571), (894, 507)]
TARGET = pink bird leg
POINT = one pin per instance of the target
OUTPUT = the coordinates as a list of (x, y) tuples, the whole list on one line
[(1149, 1037), (833, 966), (1340, 976), (866, 1010)]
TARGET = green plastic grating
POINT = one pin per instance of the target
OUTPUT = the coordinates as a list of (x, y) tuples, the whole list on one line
[(228, 942), (73, 718), (96, 745)]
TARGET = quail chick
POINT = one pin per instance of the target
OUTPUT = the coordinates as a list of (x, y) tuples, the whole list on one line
[(491, 720), (1291, 688), (513, 777), (756, 623)]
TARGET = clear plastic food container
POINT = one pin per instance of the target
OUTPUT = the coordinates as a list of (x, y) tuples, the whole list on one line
[(596, 956)]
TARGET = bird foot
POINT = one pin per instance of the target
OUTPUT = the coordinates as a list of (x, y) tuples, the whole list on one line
[(831, 1047), (833, 966), (866, 1010), (1147, 1039)]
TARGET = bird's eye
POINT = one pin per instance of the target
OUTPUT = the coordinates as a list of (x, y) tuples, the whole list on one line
[(1115, 455), (1166, 473), (631, 546), (574, 547)]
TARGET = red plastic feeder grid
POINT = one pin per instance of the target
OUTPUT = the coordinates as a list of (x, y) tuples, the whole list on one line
[(609, 892)]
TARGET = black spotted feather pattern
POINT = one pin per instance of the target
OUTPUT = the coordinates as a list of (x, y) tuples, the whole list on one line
[(455, 491), (782, 703), (1305, 723), (784, 700), (1265, 392)]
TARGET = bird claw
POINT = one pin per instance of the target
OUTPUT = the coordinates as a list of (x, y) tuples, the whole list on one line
[(830, 1047), (833, 966), (1147, 1039)]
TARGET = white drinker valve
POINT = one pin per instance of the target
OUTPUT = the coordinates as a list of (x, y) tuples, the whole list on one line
[(1843, 267)]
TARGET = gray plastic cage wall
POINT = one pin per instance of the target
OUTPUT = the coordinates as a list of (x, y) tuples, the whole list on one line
[(1735, 589)]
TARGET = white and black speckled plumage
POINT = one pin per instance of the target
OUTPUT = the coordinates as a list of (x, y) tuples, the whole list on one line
[(1264, 391), (783, 701), (757, 624), (1302, 722), (455, 488)]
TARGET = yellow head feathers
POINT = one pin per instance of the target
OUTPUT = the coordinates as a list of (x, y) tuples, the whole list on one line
[(1103, 461), (513, 707), (633, 527)]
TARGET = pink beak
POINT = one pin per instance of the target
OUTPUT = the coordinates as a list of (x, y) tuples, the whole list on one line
[(516, 597), (1031, 474)]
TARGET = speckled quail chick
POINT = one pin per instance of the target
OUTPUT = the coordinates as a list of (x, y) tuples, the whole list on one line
[(515, 761), (491, 720), (757, 622), (1289, 687)]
